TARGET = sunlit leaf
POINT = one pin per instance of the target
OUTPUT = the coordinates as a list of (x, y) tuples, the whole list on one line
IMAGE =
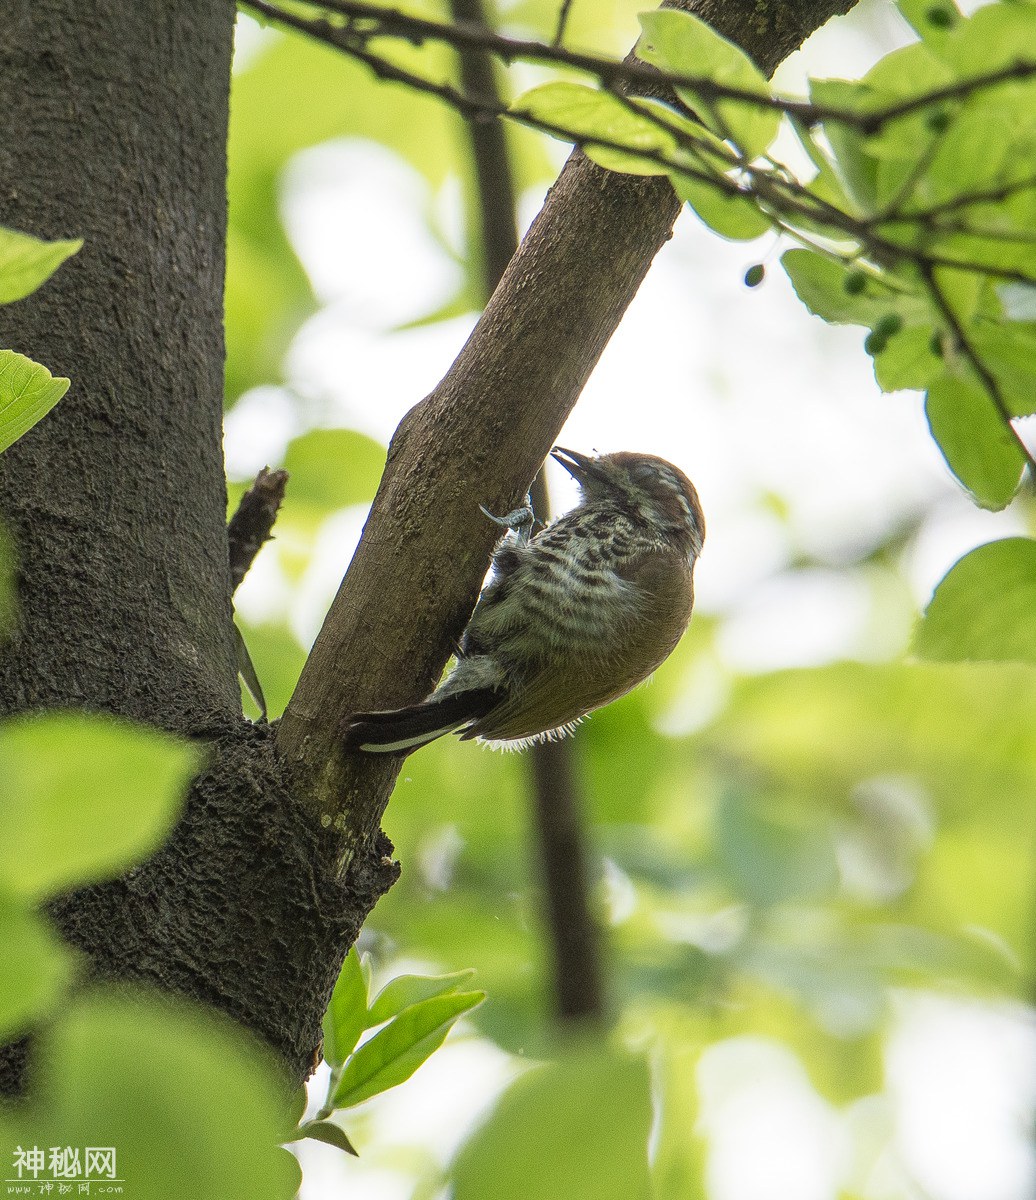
[(346, 1016), (394, 1053), (583, 1120), (734, 217), (191, 1106), (682, 44), (28, 392), (985, 606), (35, 968), (584, 114), (976, 442), (407, 990)]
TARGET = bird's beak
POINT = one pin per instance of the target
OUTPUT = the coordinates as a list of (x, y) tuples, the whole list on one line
[(579, 466)]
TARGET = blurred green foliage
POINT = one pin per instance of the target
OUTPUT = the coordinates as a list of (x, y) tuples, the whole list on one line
[(831, 838)]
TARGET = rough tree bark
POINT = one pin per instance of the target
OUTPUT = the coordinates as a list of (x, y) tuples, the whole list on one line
[(112, 127)]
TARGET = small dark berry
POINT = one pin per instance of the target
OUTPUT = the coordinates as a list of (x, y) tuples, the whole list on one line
[(855, 282), (939, 17), (938, 122), (888, 326), (874, 343), (754, 275), (935, 344)]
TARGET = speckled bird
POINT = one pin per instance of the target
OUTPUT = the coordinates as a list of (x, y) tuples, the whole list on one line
[(571, 619)]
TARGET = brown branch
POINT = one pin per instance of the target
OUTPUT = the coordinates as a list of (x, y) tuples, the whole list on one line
[(251, 526), (480, 438)]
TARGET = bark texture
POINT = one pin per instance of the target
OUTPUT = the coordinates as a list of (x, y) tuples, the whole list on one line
[(113, 123), (113, 129)]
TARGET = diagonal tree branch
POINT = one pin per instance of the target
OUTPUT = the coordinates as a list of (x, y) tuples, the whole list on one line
[(480, 437), (570, 927)]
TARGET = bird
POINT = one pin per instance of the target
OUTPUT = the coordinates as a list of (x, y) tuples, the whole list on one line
[(571, 618)]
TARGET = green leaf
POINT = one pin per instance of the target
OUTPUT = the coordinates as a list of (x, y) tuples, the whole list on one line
[(35, 968), (27, 393), (191, 1105), (328, 1132), (1009, 351), (681, 44), (27, 262), (395, 1053), (407, 990), (584, 1121), (333, 468), (820, 283), (977, 445), (907, 360), (984, 607), (856, 166), (734, 217), (346, 1016), (584, 113), (83, 797)]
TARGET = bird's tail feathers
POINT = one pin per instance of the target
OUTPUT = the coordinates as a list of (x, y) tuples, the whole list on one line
[(400, 730)]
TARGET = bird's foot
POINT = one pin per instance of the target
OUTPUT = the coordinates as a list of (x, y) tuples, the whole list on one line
[(519, 521)]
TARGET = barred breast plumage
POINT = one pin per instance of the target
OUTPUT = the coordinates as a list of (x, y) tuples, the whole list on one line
[(572, 618)]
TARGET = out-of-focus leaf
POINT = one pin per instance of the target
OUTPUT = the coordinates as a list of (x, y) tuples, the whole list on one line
[(190, 1105), (333, 468), (977, 444), (26, 263), (681, 43), (34, 968), (583, 1120), (83, 797), (768, 862), (27, 393), (984, 607), (394, 1053)]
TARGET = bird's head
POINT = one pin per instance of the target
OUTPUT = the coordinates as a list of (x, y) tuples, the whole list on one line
[(650, 489)]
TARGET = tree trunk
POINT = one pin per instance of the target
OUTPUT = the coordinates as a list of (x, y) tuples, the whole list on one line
[(113, 127)]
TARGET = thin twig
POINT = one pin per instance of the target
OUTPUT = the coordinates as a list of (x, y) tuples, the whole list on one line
[(563, 14), (782, 195), (387, 22)]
